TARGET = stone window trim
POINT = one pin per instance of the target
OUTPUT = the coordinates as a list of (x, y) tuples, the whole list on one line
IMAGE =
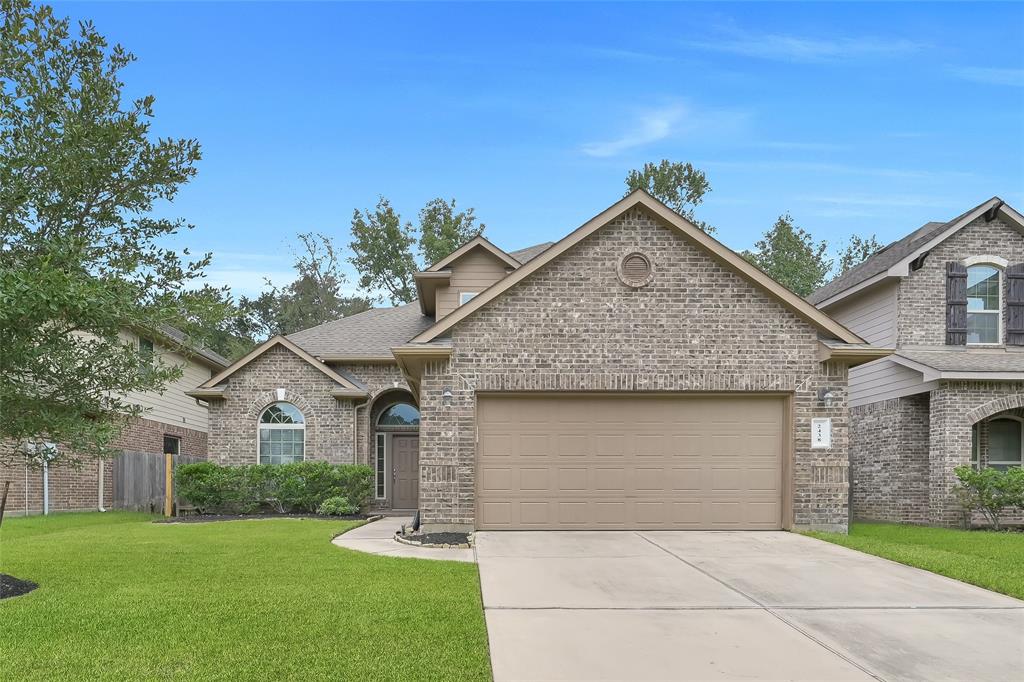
[(999, 265), (994, 407)]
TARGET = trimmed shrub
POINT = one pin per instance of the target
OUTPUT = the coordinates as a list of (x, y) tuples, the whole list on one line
[(990, 491), (251, 488), (337, 506)]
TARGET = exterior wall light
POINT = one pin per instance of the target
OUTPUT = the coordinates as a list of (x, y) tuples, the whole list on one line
[(446, 396), (826, 397)]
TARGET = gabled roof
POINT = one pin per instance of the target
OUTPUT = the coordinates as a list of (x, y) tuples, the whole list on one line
[(478, 242), (346, 387), (894, 259), (368, 336), (719, 251), (530, 252), (181, 340)]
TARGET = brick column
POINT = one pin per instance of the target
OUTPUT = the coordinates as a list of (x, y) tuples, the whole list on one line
[(950, 447)]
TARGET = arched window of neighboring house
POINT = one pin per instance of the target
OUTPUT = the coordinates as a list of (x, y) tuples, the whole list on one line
[(984, 304), (399, 415), (282, 434), (1005, 442)]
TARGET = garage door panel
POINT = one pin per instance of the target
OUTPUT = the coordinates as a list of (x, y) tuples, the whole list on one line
[(628, 462)]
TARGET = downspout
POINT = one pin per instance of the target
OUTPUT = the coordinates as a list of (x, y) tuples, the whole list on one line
[(355, 428), (99, 492), (46, 487)]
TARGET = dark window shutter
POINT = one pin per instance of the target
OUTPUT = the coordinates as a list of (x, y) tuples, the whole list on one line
[(1015, 305), (956, 304)]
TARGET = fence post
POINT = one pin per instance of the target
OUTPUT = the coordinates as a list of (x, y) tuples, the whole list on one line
[(168, 484)]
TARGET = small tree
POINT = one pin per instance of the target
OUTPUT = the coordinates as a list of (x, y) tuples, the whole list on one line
[(442, 229)]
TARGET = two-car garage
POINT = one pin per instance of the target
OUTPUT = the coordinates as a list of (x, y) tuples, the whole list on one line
[(631, 461)]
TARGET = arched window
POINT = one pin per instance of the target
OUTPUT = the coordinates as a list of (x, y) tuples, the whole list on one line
[(282, 434), (984, 304), (1005, 442), (399, 415)]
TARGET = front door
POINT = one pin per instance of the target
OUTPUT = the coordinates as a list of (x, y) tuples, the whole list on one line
[(405, 467)]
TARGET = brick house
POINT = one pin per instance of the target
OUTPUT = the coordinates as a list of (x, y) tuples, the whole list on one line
[(949, 299), (634, 374), (171, 422)]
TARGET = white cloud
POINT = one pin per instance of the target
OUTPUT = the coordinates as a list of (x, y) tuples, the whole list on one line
[(649, 127), (900, 201), (805, 49), (991, 76), (671, 121)]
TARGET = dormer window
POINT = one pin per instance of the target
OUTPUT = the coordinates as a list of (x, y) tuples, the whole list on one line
[(466, 296), (984, 304)]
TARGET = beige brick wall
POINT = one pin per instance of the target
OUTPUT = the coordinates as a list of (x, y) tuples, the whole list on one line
[(574, 326)]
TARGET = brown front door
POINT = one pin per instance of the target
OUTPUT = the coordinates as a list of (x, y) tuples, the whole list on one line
[(405, 467)]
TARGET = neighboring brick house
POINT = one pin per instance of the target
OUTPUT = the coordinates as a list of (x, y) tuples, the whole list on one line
[(949, 298), (171, 422), (635, 374)]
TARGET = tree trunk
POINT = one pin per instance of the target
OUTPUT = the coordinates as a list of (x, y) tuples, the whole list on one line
[(3, 501)]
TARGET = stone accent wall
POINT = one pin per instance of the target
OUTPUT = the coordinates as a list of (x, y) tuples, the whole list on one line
[(955, 407), (889, 460), (233, 420), (76, 487), (922, 295), (573, 326)]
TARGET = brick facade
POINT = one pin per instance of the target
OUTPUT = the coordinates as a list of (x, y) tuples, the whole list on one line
[(75, 487), (921, 319), (573, 326), (889, 466)]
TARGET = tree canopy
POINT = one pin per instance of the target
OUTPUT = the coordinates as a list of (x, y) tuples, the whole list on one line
[(81, 255), (791, 257), (382, 245), (678, 185)]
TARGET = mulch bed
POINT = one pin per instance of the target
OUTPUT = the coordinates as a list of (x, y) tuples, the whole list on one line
[(14, 587), (439, 539), (210, 518)]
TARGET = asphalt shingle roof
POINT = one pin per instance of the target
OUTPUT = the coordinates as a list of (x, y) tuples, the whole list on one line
[(373, 333), (972, 360), (370, 334)]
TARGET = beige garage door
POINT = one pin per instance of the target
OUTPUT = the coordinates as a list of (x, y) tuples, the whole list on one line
[(630, 462)]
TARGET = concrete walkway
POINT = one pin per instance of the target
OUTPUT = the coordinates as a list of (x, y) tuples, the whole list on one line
[(378, 537), (730, 605)]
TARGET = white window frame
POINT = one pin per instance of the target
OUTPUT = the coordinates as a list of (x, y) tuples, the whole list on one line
[(1020, 427), (380, 452), (260, 426), (463, 300), (992, 262)]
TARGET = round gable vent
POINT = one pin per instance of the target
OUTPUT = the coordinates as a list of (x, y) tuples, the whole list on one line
[(635, 270)]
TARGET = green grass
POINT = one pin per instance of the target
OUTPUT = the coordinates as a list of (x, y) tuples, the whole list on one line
[(123, 598), (991, 560)]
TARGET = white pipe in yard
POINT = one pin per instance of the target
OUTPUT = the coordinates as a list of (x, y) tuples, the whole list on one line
[(46, 487), (99, 502)]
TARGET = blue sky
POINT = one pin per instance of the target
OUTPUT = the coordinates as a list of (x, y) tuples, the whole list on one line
[(861, 118)]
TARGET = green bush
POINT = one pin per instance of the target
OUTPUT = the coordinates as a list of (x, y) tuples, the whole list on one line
[(337, 506), (990, 491), (250, 488)]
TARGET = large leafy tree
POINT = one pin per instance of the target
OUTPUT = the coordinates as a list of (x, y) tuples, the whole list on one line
[(678, 185), (856, 251), (790, 255), (81, 255), (314, 297), (443, 229), (382, 245)]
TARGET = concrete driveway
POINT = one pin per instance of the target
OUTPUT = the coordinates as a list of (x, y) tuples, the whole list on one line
[(729, 606)]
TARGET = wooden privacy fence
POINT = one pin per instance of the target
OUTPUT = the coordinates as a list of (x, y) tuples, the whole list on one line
[(140, 480)]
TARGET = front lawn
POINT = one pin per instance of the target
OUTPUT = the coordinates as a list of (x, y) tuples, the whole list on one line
[(122, 598), (988, 559)]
